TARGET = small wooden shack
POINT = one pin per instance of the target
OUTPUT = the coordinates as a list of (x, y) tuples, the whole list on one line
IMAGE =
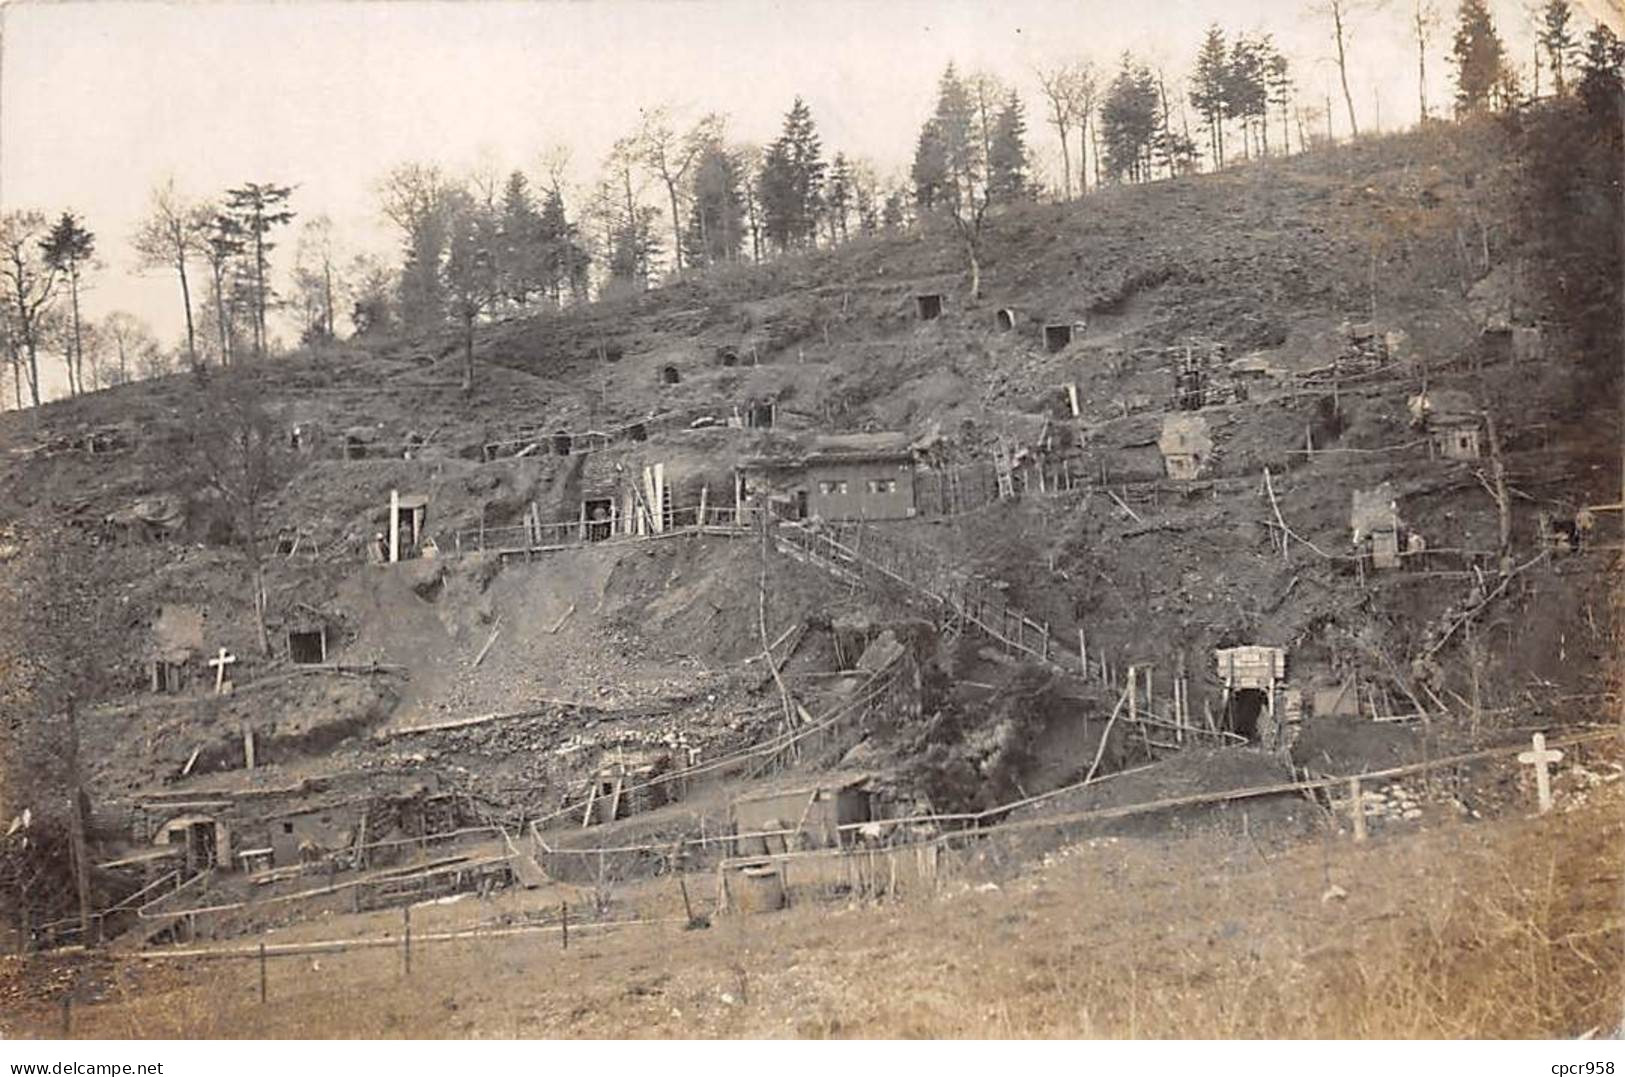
[(835, 477), (1374, 520), (809, 817)]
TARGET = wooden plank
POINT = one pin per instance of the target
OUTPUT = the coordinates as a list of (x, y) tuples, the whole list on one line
[(495, 631)]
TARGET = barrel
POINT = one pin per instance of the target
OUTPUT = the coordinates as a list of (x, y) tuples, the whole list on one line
[(760, 888)]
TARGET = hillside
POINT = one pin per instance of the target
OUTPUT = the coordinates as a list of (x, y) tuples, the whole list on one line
[(1340, 311)]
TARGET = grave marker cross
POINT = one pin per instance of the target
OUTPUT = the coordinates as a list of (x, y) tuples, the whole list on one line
[(1541, 758), (219, 662)]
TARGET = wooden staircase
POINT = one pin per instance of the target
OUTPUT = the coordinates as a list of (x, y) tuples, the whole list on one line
[(858, 553)]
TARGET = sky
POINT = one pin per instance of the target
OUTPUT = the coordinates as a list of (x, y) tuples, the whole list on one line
[(100, 101)]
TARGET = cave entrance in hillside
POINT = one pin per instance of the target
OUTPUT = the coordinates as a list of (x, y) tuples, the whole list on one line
[(928, 307), (1005, 320), (638, 432), (760, 414), (670, 375), (1246, 708), (600, 515), (1057, 337), (307, 648), (727, 356)]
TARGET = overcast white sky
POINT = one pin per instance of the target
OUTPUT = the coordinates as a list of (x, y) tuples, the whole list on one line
[(99, 101)]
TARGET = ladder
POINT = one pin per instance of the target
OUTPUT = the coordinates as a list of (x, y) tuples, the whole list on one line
[(1001, 471)]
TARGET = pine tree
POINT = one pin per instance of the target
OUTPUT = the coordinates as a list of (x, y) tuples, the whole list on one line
[(68, 249), (792, 181), (1600, 73), (930, 171), (1278, 77), (716, 225), (1557, 39), (838, 198), (955, 120), (1007, 154), (1209, 87), (257, 208), (521, 254), (1129, 121), (1480, 59), (1245, 93), (892, 215)]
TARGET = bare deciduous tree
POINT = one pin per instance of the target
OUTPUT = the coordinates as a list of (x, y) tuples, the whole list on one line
[(671, 156), (1340, 12), (172, 233), (1064, 88), (240, 454), (30, 285)]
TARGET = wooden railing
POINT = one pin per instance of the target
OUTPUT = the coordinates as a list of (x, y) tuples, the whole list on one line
[(853, 550), (544, 538)]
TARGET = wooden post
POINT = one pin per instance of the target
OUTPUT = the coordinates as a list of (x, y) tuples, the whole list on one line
[(1083, 652), (1357, 809), (406, 949), (700, 520), (67, 1016), (248, 746), (262, 974), (564, 925), (394, 526), (688, 907)]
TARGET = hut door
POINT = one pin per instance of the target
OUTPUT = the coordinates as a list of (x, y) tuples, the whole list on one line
[(200, 847)]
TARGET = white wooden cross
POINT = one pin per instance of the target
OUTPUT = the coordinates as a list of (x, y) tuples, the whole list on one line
[(1541, 757), (219, 662)]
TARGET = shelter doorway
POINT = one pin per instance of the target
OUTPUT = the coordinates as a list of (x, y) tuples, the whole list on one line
[(670, 375), (1245, 710), (929, 307), (307, 648), (200, 846), (600, 512)]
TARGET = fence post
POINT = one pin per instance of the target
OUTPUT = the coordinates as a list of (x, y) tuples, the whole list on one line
[(564, 925), (406, 950), (262, 974), (1357, 809)]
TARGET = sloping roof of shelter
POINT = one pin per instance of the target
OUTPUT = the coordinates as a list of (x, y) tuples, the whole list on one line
[(177, 633)]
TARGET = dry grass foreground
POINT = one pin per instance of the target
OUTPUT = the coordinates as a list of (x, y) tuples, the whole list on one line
[(1503, 929)]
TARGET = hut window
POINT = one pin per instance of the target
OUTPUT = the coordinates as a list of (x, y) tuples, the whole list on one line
[(287, 827), (832, 486), (882, 486)]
